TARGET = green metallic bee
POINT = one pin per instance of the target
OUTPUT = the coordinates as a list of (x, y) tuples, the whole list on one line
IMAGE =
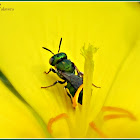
[(67, 71)]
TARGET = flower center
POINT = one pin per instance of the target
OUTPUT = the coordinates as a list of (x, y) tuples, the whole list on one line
[(122, 113)]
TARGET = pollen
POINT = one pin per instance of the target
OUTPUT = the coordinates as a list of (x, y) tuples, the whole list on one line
[(75, 98), (97, 130), (124, 113), (52, 120), (63, 62)]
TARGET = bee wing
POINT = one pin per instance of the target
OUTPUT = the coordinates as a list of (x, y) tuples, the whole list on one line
[(75, 80)]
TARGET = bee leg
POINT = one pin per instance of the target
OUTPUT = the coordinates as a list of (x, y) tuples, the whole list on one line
[(81, 74), (60, 82), (76, 97), (96, 86), (78, 72), (51, 69), (65, 88)]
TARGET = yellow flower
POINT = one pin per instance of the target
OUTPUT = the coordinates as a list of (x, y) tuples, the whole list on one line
[(110, 111)]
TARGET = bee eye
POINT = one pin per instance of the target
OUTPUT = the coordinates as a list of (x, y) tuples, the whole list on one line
[(51, 60)]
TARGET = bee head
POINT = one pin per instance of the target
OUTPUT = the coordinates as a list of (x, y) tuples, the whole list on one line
[(57, 58)]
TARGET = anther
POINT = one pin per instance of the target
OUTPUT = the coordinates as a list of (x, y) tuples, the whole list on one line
[(124, 113), (116, 116), (97, 130), (52, 120)]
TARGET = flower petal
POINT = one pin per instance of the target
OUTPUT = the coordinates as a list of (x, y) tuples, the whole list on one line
[(125, 94), (16, 119)]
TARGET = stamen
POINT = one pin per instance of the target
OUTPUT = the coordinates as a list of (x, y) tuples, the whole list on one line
[(119, 110), (52, 120), (94, 127), (116, 116), (75, 98)]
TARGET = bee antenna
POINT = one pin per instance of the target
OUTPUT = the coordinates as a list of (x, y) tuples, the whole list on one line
[(48, 50), (60, 44)]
